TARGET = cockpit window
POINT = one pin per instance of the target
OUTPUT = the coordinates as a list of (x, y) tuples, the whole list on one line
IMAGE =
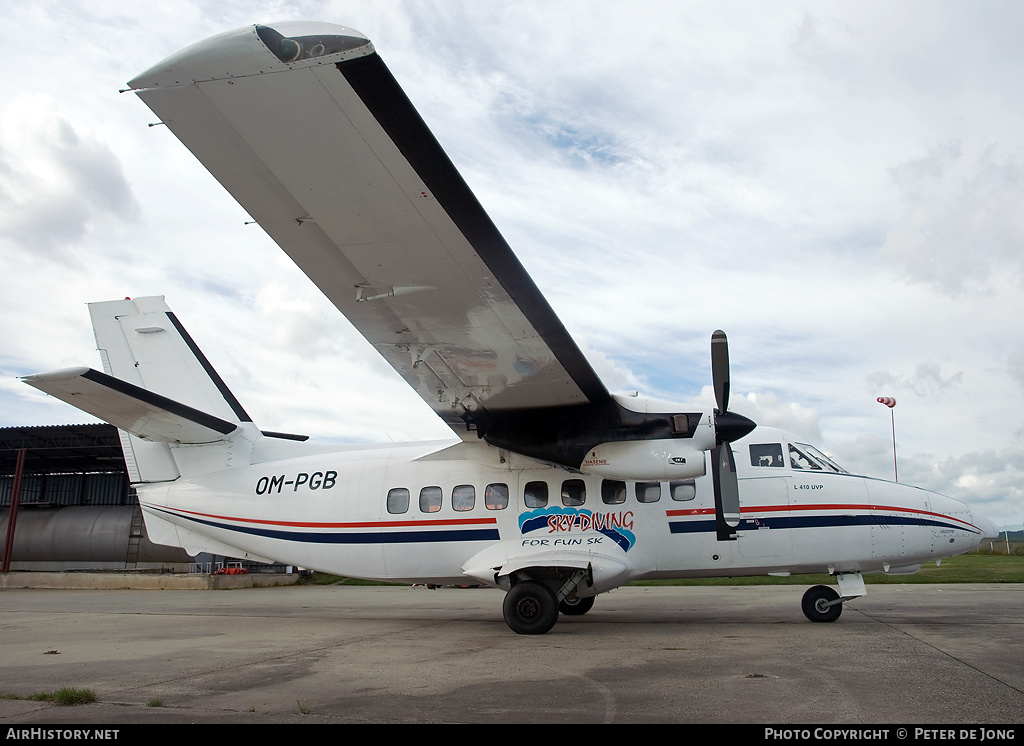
[(821, 458), (803, 456), (800, 460), (767, 454)]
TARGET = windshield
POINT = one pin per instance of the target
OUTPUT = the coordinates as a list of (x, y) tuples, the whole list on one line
[(803, 456)]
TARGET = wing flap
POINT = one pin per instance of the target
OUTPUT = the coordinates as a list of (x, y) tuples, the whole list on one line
[(131, 408)]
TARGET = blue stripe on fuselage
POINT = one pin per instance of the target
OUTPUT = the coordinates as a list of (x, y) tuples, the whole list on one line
[(812, 521), (355, 537)]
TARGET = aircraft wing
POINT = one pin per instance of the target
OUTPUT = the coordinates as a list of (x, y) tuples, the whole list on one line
[(305, 126)]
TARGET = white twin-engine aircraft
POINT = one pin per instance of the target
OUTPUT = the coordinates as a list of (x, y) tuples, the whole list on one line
[(557, 490)]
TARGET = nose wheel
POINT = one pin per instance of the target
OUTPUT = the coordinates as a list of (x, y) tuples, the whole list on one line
[(822, 603), (577, 606)]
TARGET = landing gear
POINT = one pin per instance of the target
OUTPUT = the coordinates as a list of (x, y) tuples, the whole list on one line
[(530, 608), (821, 603), (538, 594), (577, 606)]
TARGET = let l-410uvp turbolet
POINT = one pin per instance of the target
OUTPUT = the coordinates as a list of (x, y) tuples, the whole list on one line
[(555, 490)]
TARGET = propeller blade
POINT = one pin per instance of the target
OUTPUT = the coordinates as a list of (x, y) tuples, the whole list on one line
[(729, 426), (727, 493), (720, 369)]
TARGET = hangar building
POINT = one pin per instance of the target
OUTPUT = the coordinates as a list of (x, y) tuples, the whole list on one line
[(77, 509)]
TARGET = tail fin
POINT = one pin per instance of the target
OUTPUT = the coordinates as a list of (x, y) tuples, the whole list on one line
[(158, 389), (142, 342)]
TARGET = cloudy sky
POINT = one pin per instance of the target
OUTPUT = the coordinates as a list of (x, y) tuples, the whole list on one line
[(839, 186)]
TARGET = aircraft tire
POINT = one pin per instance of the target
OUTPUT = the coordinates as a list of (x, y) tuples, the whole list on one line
[(577, 607), (530, 608), (813, 604)]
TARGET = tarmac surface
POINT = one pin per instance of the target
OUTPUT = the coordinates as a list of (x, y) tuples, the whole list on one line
[(932, 654)]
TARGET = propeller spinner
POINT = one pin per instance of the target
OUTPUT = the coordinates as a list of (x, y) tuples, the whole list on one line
[(729, 426)]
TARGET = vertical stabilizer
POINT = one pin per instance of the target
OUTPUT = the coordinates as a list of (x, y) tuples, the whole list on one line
[(141, 342)]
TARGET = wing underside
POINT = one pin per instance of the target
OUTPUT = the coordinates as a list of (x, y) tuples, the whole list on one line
[(331, 159)]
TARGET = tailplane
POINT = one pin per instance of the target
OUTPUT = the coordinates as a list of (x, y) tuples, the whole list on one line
[(175, 415)]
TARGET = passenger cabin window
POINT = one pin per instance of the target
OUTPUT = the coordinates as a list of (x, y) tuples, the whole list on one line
[(574, 492), (463, 497), (648, 492), (535, 494), (767, 454), (496, 496), (430, 499), (613, 491), (398, 500), (683, 490)]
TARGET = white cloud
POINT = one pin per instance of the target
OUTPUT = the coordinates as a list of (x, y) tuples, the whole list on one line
[(926, 380), (961, 219), (56, 183)]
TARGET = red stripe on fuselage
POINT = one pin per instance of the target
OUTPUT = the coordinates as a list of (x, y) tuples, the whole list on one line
[(354, 524), (819, 506)]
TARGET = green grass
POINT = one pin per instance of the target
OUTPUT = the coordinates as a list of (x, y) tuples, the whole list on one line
[(63, 696), (73, 696), (967, 568)]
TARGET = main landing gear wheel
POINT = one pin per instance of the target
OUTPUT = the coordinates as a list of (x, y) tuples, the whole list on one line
[(816, 604), (530, 608), (576, 607)]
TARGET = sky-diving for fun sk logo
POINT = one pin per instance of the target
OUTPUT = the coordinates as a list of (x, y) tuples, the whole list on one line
[(616, 525)]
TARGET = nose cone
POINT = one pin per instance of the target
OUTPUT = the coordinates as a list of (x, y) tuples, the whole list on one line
[(989, 530)]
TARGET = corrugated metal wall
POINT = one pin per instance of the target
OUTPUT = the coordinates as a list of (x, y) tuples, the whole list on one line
[(69, 489)]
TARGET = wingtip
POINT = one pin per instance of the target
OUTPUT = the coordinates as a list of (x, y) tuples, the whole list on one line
[(63, 374)]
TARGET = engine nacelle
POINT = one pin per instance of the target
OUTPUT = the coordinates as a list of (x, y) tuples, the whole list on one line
[(645, 460)]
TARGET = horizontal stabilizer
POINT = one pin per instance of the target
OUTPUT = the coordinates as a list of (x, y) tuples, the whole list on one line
[(140, 412)]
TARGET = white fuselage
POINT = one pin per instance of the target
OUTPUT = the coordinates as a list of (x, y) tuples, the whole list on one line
[(437, 513)]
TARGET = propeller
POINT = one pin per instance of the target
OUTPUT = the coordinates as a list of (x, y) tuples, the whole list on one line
[(720, 368), (729, 426)]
